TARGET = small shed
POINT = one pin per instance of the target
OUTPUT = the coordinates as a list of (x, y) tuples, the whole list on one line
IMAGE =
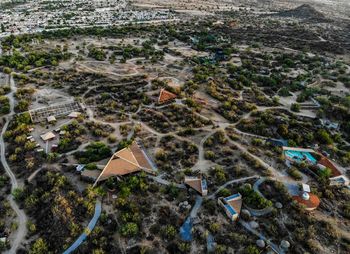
[(306, 188)]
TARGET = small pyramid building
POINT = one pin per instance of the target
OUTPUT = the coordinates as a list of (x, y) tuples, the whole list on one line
[(198, 184), (165, 96)]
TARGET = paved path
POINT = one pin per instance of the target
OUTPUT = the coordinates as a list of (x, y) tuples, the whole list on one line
[(87, 230), (197, 205), (22, 218), (232, 182), (257, 184), (186, 228)]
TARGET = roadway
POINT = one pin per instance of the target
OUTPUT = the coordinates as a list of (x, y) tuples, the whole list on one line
[(22, 218)]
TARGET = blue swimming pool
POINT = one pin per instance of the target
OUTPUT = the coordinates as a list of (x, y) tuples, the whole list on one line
[(300, 156)]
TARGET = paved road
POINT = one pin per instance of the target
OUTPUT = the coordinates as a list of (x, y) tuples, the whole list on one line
[(22, 218), (87, 230)]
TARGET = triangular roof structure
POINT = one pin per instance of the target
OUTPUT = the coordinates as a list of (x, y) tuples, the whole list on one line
[(327, 163), (197, 183), (165, 96), (128, 160)]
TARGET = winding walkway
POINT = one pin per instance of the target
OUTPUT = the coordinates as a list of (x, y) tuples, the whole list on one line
[(87, 230), (239, 180), (186, 228), (22, 218)]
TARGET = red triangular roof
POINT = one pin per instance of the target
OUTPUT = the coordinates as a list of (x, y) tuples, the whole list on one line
[(195, 183), (165, 96), (327, 163)]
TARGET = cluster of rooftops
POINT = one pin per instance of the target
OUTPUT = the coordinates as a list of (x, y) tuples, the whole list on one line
[(133, 159)]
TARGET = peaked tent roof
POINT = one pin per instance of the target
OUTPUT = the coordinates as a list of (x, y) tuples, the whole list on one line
[(165, 96), (128, 160), (194, 182)]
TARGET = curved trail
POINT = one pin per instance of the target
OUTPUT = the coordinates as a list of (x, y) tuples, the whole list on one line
[(22, 218), (87, 230)]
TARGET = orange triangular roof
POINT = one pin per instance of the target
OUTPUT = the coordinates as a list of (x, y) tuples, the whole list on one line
[(194, 182), (236, 204), (125, 161), (165, 96), (327, 163)]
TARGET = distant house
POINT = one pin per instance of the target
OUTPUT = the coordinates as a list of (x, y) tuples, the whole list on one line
[(308, 200), (80, 167), (51, 119), (61, 133), (74, 114), (306, 188), (165, 96), (197, 183), (232, 205), (339, 180), (126, 161), (329, 125), (48, 136)]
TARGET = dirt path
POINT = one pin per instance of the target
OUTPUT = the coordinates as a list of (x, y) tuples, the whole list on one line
[(17, 238)]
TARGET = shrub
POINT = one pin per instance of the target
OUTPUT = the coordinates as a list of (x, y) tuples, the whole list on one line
[(129, 229), (295, 107), (295, 173)]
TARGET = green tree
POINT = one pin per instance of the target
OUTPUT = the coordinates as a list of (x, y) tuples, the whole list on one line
[(251, 250), (39, 247), (295, 107), (324, 137), (170, 231), (129, 229)]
